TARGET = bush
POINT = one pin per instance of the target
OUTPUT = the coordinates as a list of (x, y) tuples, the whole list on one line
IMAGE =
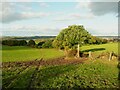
[(22, 43), (39, 45), (104, 41), (47, 44), (31, 43), (71, 53), (14, 42)]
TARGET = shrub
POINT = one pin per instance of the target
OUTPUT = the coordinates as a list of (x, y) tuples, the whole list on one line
[(31, 43), (14, 42), (104, 41), (47, 44), (39, 45), (71, 53), (22, 43)]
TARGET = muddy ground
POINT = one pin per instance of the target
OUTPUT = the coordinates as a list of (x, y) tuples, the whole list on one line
[(42, 62)]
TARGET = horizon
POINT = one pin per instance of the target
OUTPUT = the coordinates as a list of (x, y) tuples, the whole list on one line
[(56, 35)]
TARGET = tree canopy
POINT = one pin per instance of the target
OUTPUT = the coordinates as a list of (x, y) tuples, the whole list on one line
[(71, 36)]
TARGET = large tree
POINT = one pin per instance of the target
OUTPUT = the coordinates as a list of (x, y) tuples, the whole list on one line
[(71, 37)]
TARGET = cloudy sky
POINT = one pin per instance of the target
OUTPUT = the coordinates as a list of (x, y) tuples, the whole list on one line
[(49, 18)]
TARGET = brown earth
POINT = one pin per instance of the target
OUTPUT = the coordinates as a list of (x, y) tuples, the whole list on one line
[(41, 62)]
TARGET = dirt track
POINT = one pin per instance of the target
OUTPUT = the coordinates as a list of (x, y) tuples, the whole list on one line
[(57, 61)]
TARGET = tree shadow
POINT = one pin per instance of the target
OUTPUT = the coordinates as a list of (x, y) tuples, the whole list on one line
[(49, 74), (94, 49)]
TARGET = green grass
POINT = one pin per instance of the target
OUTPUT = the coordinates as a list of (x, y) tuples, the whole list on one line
[(97, 49), (97, 74), (21, 53)]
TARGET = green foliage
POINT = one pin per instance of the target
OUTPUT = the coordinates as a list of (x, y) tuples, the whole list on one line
[(104, 41), (47, 44), (14, 42), (95, 40), (22, 43), (71, 36), (31, 43), (39, 45)]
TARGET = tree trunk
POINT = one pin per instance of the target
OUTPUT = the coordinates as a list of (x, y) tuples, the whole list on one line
[(78, 52)]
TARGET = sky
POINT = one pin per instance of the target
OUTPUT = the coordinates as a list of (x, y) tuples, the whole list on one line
[(29, 18)]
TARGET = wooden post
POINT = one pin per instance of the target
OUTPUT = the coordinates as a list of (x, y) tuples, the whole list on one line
[(78, 52), (110, 56), (90, 54)]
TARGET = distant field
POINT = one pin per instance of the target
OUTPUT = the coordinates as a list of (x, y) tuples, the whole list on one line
[(21, 53)]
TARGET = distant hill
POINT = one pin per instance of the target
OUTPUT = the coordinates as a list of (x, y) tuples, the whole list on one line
[(110, 37), (28, 37), (47, 37)]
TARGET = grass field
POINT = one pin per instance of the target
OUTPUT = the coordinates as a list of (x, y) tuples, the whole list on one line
[(21, 53), (98, 73), (97, 49), (102, 47)]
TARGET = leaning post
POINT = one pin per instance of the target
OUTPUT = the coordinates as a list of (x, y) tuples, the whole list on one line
[(110, 56)]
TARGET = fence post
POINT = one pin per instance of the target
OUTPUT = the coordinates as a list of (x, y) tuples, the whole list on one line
[(90, 54), (110, 56)]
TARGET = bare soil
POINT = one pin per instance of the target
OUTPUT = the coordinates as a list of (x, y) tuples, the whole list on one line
[(41, 62)]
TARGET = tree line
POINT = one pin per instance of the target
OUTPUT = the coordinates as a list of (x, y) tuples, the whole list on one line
[(47, 43), (31, 43)]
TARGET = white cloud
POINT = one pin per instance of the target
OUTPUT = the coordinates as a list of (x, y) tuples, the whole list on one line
[(10, 12), (82, 4)]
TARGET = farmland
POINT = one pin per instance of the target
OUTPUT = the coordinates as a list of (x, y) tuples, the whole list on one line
[(58, 73), (24, 53)]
